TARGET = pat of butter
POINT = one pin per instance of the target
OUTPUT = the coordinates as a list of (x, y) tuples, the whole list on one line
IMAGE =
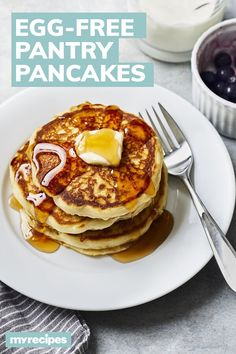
[(100, 147)]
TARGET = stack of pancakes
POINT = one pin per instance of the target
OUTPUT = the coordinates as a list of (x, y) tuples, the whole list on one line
[(92, 209)]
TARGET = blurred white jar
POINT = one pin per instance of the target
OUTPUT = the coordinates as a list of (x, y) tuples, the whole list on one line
[(173, 26)]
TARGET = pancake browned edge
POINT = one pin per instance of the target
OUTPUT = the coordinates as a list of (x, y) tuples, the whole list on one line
[(96, 191), (113, 239), (42, 207)]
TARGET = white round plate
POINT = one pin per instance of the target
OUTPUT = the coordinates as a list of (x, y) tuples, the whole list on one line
[(68, 279)]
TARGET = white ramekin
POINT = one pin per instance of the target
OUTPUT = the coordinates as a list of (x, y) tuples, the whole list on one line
[(220, 112)]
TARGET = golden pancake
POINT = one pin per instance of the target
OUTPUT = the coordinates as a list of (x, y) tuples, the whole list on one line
[(42, 207), (121, 233), (96, 201), (100, 192)]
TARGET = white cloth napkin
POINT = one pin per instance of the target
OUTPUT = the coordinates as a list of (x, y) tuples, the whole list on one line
[(19, 313)]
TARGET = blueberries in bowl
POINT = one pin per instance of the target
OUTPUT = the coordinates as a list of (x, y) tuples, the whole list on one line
[(222, 79), (232, 79), (231, 92), (223, 74), (222, 59), (209, 78), (220, 88)]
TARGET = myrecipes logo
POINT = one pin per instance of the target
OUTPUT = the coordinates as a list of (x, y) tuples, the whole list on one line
[(38, 339), (76, 49)]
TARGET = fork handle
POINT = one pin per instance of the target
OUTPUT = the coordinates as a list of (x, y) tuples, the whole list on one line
[(224, 253)]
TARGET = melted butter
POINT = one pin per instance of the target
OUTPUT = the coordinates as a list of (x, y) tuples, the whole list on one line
[(106, 143), (151, 189), (153, 238), (14, 204), (42, 243)]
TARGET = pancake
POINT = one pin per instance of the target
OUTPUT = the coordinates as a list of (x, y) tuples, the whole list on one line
[(42, 207), (99, 252), (97, 192), (120, 234), (90, 208)]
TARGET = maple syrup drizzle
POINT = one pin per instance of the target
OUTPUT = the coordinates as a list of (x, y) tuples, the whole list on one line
[(42, 243), (52, 148), (131, 205), (41, 215), (36, 239), (153, 238), (14, 204), (151, 189)]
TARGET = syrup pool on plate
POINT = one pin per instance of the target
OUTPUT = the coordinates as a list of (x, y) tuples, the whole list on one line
[(153, 238), (36, 239), (42, 243)]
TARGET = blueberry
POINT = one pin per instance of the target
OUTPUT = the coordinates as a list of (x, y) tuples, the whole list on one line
[(232, 79), (220, 88), (209, 78), (223, 74), (222, 59), (231, 92)]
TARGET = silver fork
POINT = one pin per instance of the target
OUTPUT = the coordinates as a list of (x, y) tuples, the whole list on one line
[(179, 160)]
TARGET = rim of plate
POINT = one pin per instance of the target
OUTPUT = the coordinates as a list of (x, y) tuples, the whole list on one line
[(184, 279)]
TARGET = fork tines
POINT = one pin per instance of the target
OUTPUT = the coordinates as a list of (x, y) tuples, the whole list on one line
[(166, 128)]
